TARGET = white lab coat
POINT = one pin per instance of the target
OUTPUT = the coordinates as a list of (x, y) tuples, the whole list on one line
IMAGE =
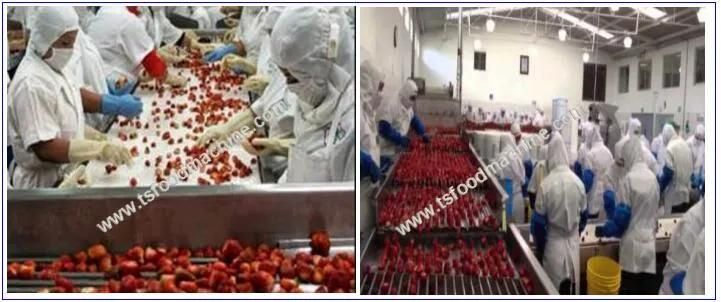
[(122, 41), (658, 148), (682, 244), (697, 153), (678, 158), (43, 105), (515, 171), (597, 158), (88, 73), (398, 113), (371, 98), (695, 281), (324, 150), (561, 199), (638, 189), (159, 28)]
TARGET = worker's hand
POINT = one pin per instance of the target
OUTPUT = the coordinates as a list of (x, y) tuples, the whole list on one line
[(92, 134), (238, 64), (268, 146), (213, 134), (203, 48), (170, 54), (221, 131), (83, 149), (220, 52), (126, 105), (119, 86), (676, 283), (256, 84), (405, 142), (175, 80), (75, 179)]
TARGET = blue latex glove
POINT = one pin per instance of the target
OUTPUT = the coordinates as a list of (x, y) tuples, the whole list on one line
[(577, 169), (524, 189), (677, 283), (220, 52), (528, 166), (616, 226), (386, 163), (508, 186), (368, 167), (584, 220), (417, 126), (126, 89), (609, 203), (587, 177), (664, 179), (539, 231), (126, 105), (388, 132)]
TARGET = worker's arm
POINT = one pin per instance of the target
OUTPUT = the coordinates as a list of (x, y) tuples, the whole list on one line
[(91, 101), (125, 105), (417, 126), (616, 226), (388, 132), (54, 150), (368, 167), (664, 179)]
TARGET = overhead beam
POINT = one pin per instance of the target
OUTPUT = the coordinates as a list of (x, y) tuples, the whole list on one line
[(658, 41)]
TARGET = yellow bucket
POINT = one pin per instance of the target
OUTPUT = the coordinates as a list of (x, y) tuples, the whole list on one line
[(603, 275)]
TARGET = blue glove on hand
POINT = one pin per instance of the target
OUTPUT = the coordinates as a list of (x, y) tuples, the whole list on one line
[(220, 52), (126, 105), (539, 231), (577, 169), (587, 178), (677, 283), (609, 203), (528, 166), (388, 132), (664, 179), (508, 186), (369, 167), (126, 89), (386, 163), (524, 189), (617, 225)]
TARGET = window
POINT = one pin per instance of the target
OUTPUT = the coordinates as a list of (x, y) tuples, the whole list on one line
[(594, 82), (623, 79), (479, 60), (672, 70), (699, 69), (644, 75)]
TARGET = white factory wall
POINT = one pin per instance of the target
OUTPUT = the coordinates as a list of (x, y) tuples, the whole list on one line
[(669, 100), (556, 68), (376, 42)]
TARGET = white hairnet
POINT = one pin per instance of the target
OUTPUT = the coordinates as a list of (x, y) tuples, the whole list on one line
[(700, 131), (632, 153), (272, 17), (308, 41), (51, 22), (370, 79), (557, 155), (668, 133), (408, 90), (515, 129)]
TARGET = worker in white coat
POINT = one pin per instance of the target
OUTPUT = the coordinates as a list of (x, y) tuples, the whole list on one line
[(697, 144), (396, 117), (658, 149), (693, 281), (634, 128), (560, 215), (512, 176), (127, 50), (611, 177), (244, 42), (597, 159), (675, 177), (167, 38), (682, 243), (306, 44), (46, 122), (371, 85), (634, 221)]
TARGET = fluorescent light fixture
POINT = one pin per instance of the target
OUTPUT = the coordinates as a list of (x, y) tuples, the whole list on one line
[(580, 23), (477, 45), (614, 8), (586, 57), (490, 25), (480, 11), (702, 14), (627, 42), (651, 12), (562, 34)]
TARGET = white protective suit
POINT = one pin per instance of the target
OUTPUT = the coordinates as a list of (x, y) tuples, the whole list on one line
[(582, 146), (44, 103), (695, 281), (678, 158), (697, 146), (614, 172), (561, 199), (658, 148), (88, 73), (398, 112), (515, 171), (540, 170), (197, 13), (598, 158), (158, 27), (638, 189), (682, 244), (370, 79), (122, 40), (307, 42), (634, 128)]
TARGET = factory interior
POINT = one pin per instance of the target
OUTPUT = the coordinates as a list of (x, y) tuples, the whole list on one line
[(603, 80)]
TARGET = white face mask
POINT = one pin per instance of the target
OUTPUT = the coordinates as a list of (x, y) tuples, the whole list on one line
[(309, 92), (60, 58)]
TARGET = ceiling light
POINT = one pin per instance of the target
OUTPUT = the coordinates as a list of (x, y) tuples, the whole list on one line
[(562, 34), (480, 11), (490, 25), (477, 45), (651, 12), (702, 14), (627, 42), (614, 8), (586, 57), (580, 23)]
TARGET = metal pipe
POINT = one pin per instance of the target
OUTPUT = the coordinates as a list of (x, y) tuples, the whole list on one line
[(685, 86), (413, 42), (459, 72)]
